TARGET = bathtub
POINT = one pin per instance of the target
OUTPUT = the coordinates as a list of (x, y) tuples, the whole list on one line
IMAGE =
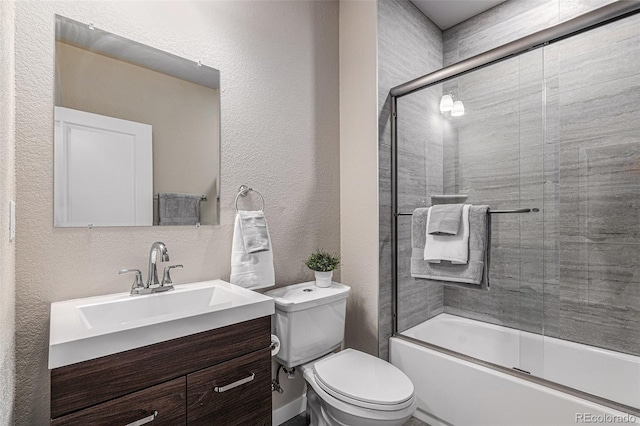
[(454, 391)]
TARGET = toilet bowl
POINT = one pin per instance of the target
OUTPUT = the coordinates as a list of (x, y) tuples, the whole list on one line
[(352, 388), (346, 388)]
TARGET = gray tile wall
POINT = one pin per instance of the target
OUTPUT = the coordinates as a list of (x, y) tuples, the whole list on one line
[(593, 86), (409, 45), (571, 271), (507, 22)]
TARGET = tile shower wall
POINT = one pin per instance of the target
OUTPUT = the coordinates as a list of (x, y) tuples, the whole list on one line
[(403, 54), (583, 245), (409, 45), (507, 22), (593, 98)]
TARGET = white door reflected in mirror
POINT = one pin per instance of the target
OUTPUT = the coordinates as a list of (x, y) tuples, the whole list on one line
[(103, 170), (102, 73)]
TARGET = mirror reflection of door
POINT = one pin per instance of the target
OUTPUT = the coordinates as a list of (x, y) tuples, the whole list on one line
[(102, 73), (103, 170)]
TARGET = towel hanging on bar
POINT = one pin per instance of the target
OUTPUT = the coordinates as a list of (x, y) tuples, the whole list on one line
[(178, 209), (474, 274), (251, 248)]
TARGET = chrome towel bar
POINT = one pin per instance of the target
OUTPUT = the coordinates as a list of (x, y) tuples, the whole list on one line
[(533, 210), (202, 197)]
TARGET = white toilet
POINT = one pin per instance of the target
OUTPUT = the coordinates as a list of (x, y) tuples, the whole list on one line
[(350, 387)]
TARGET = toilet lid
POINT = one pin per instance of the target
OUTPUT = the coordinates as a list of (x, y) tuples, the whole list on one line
[(362, 377)]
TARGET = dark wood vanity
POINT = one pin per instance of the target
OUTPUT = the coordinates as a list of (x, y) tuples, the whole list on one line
[(218, 377)]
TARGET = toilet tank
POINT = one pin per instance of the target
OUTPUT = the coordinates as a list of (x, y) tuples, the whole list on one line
[(309, 321)]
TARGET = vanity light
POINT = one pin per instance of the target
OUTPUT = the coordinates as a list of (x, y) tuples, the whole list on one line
[(458, 109), (446, 103)]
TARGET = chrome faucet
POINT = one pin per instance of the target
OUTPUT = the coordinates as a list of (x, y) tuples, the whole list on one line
[(153, 254), (152, 285)]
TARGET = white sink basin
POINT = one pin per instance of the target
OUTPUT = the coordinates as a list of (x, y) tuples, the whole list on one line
[(183, 301), (89, 328)]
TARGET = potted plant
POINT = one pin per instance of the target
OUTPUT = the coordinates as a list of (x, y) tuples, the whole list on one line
[(323, 264)]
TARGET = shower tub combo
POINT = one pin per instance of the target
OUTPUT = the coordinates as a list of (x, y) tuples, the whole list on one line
[(469, 372)]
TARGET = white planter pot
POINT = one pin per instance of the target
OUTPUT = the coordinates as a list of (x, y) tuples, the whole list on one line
[(323, 279)]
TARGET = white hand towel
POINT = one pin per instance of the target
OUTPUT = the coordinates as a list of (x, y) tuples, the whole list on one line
[(454, 248), (250, 270)]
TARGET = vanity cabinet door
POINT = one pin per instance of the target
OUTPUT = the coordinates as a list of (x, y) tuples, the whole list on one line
[(236, 392), (160, 405)]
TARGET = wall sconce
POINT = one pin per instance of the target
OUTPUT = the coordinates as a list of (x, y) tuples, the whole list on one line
[(446, 103), (458, 109)]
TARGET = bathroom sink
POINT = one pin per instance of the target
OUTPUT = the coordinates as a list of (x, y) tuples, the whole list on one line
[(83, 329), (128, 310)]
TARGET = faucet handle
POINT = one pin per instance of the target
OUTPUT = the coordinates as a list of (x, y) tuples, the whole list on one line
[(137, 282), (166, 276)]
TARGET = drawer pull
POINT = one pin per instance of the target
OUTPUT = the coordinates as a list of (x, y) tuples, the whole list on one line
[(234, 384), (144, 421)]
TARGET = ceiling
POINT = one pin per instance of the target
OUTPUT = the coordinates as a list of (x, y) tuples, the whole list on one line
[(447, 13)]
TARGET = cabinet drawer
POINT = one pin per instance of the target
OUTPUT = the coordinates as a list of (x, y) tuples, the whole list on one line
[(168, 400), (236, 392)]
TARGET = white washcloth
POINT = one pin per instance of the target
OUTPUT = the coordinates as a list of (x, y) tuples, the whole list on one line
[(454, 248), (254, 270), (253, 226)]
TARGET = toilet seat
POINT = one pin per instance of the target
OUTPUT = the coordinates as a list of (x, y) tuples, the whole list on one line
[(343, 413), (362, 380)]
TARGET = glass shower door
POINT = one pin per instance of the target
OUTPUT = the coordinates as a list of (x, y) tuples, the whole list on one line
[(498, 146), (492, 154), (592, 212), (555, 130)]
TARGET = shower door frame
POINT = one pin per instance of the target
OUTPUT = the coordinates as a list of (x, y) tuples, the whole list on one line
[(588, 21)]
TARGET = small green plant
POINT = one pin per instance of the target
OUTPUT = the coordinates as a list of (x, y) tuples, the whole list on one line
[(323, 261)]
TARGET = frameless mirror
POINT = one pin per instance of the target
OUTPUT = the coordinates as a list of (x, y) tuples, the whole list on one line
[(137, 133)]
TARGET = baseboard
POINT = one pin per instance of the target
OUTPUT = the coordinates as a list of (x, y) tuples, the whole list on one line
[(429, 419), (290, 410)]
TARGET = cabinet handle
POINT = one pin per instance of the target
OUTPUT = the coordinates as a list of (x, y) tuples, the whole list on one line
[(144, 421), (234, 384)]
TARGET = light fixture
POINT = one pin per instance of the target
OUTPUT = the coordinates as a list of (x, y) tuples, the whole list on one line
[(446, 103), (458, 109)]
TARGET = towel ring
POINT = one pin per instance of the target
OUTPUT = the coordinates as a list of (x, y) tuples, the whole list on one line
[(243, 191)]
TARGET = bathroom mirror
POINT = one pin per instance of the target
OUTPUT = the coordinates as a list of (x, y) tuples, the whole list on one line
[(137, 133)]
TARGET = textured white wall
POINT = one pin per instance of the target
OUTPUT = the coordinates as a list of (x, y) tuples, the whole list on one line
[(359, 170), (280, 134), (7, 192)]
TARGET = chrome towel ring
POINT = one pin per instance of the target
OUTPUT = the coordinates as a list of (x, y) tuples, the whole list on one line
[(243, 191)]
